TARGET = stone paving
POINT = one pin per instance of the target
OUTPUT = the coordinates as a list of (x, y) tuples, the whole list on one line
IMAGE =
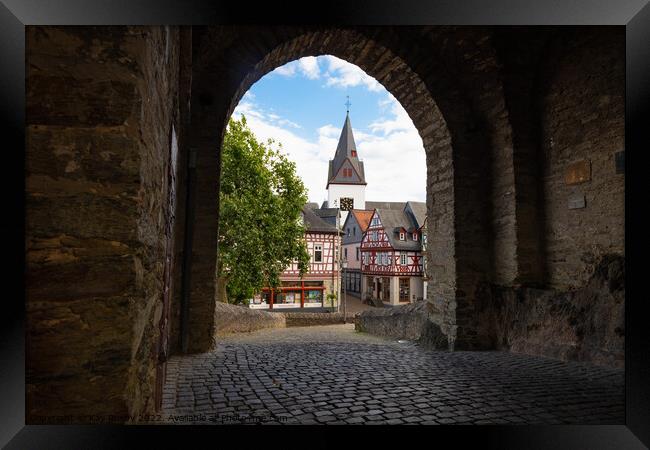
[(334, 375)]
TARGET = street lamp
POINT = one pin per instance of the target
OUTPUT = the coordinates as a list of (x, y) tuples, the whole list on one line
[(344, 265)]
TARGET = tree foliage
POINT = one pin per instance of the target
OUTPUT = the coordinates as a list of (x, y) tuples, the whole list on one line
[(261, 199)]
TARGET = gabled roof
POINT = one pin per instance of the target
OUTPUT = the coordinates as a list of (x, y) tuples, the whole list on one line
[(359, 217), (326, 212), (344, 159), (419, 212), (363, 217), (393, 220), (329, 215), (314, 223)]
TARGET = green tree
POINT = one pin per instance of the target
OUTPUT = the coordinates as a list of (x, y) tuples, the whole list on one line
[(261, 199)]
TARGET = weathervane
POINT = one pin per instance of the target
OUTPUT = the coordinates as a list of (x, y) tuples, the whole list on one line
[(348, 103)]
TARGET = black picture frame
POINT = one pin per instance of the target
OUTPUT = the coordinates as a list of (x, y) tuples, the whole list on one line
[(15, 14)]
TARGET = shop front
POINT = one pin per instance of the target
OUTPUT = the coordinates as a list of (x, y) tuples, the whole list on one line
[(290, 294)]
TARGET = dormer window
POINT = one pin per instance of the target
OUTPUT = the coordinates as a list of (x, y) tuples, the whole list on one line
[(354, 153), (415, 236), (401, 235)]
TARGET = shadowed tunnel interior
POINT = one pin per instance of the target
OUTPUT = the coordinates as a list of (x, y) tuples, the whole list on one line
[(523, 130)]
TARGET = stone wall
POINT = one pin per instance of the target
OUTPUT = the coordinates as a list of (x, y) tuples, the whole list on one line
[(410, 322), (305, 319), (158, 89), (586, 324), (100, 104), (583, 119), (231, 319)]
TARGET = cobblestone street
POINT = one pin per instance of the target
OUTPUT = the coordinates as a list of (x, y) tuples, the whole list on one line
[(334, 375)]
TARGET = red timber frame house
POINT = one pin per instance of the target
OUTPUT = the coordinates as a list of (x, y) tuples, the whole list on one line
[(323, 240), (391, 255)]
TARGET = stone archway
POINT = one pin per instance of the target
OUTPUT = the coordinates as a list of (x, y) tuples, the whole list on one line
[(456, 143)]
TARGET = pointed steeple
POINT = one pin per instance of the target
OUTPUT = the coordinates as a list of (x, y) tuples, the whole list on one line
[(346, 168)]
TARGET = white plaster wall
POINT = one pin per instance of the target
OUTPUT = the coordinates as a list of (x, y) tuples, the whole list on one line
[(417, 288), (355, 191)]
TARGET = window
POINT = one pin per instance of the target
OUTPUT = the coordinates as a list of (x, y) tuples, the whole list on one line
[(354, 231), (385, 289), (375, 222), (404, 289), (348, 232), (354, 153), (401, 235), (415, 236), (346, 253), (318, 253), (402, 258), (357, 253)]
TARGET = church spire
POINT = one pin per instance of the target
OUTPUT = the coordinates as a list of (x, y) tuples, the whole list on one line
[(346, 168)]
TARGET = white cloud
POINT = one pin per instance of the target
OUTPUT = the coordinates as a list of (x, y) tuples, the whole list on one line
[(288, 70), (329, 130), (343, 74), (309, 67), (395, 166), (400, 120)]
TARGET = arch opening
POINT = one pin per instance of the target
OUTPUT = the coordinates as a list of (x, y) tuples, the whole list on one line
[(442, 159)]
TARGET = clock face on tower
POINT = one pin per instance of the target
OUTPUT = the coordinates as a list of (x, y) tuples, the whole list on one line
[(347, 203)]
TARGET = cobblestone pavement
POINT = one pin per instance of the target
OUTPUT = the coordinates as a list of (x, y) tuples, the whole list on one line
[(334, 375)]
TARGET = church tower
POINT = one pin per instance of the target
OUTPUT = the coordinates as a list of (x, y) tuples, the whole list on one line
[(346, 180)]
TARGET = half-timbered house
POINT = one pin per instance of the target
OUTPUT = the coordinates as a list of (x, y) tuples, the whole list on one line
[(323, 240), (391, 255)]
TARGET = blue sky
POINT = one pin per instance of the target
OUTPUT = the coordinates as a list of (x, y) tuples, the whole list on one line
[(302, 106)]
